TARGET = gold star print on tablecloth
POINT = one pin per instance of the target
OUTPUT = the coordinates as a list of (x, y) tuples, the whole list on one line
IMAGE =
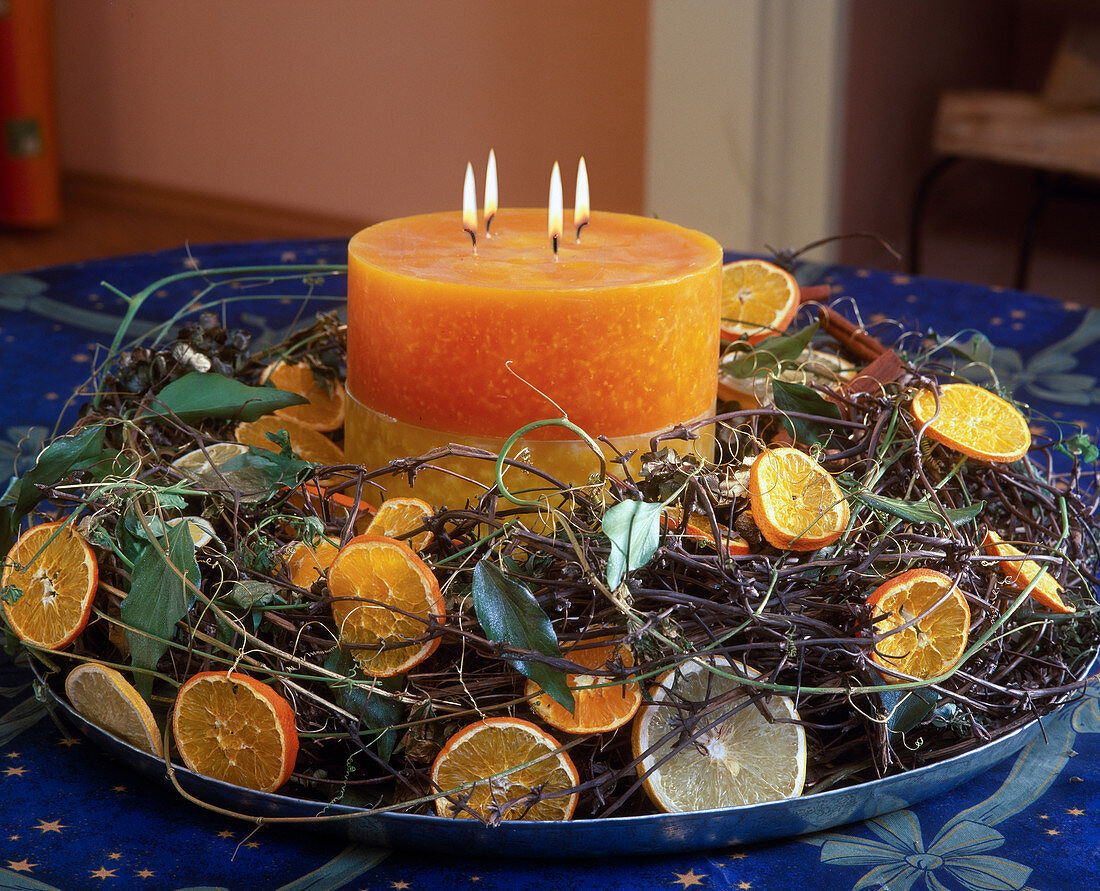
[(103, 873), (106, 842), (689, 878)]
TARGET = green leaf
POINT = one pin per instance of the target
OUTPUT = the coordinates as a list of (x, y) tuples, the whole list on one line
[(83, 450), (1079, 445), (258, 467), (905, 709), (262, 554), (510, 615), (792, 397), (378, 713), (136, 528), (63, 456), (201, 395), (921, 511), (158, 598), (769, 355), (960, 515), (308, 529), (130, 534), (634, 529), (9, 594), (167, 500), (250, 594)]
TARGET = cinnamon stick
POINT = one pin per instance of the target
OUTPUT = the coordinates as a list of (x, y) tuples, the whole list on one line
[(814, 293), (885, 368), (851, 337)]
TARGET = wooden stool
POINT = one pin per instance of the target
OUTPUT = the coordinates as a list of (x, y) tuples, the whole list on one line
[(1055, 134)]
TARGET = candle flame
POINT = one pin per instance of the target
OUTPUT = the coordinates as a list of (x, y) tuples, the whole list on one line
[(490, 190), (469, 205), (581, 208), (555, 217)]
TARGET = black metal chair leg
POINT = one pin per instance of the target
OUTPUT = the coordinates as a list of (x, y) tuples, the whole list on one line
[(919, 205), (1043, 187)]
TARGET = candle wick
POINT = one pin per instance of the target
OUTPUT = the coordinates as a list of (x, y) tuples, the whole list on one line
[(554, 239), (581, 226), (488, 223), (473, 238)]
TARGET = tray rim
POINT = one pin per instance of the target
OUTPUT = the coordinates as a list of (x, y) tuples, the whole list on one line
[(587, 838)]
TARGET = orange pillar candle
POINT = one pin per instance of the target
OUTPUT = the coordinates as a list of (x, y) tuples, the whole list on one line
[(449, 345)]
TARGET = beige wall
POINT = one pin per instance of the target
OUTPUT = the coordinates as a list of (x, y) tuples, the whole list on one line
[(745, 115), (758, 121), (356, 108), (366, 109)]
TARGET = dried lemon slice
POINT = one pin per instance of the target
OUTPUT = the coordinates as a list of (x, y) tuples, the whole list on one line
[(734, 756), (103, 696)]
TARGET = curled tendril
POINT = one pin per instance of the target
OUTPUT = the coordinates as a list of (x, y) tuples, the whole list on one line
[(523, 431)]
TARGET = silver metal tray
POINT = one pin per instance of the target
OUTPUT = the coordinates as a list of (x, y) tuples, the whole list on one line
[(651, 834)]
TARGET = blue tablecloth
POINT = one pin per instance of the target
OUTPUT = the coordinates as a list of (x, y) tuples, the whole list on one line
[(72, 818)]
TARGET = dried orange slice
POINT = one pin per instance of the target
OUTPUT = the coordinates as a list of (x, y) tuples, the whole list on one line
[(974, 422), (399, 516), (383, 597), (305, 442), (103, 696), (758, 300), (936, 618), (600, 703), (339, 506), (505, 769), (234, 728), (698, 529), (796, 503), (1020, 573), (703, 746), (327, 398), (307, 563), (54, 575)]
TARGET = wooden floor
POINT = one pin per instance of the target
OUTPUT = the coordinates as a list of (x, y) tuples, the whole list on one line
[(105, 218)]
